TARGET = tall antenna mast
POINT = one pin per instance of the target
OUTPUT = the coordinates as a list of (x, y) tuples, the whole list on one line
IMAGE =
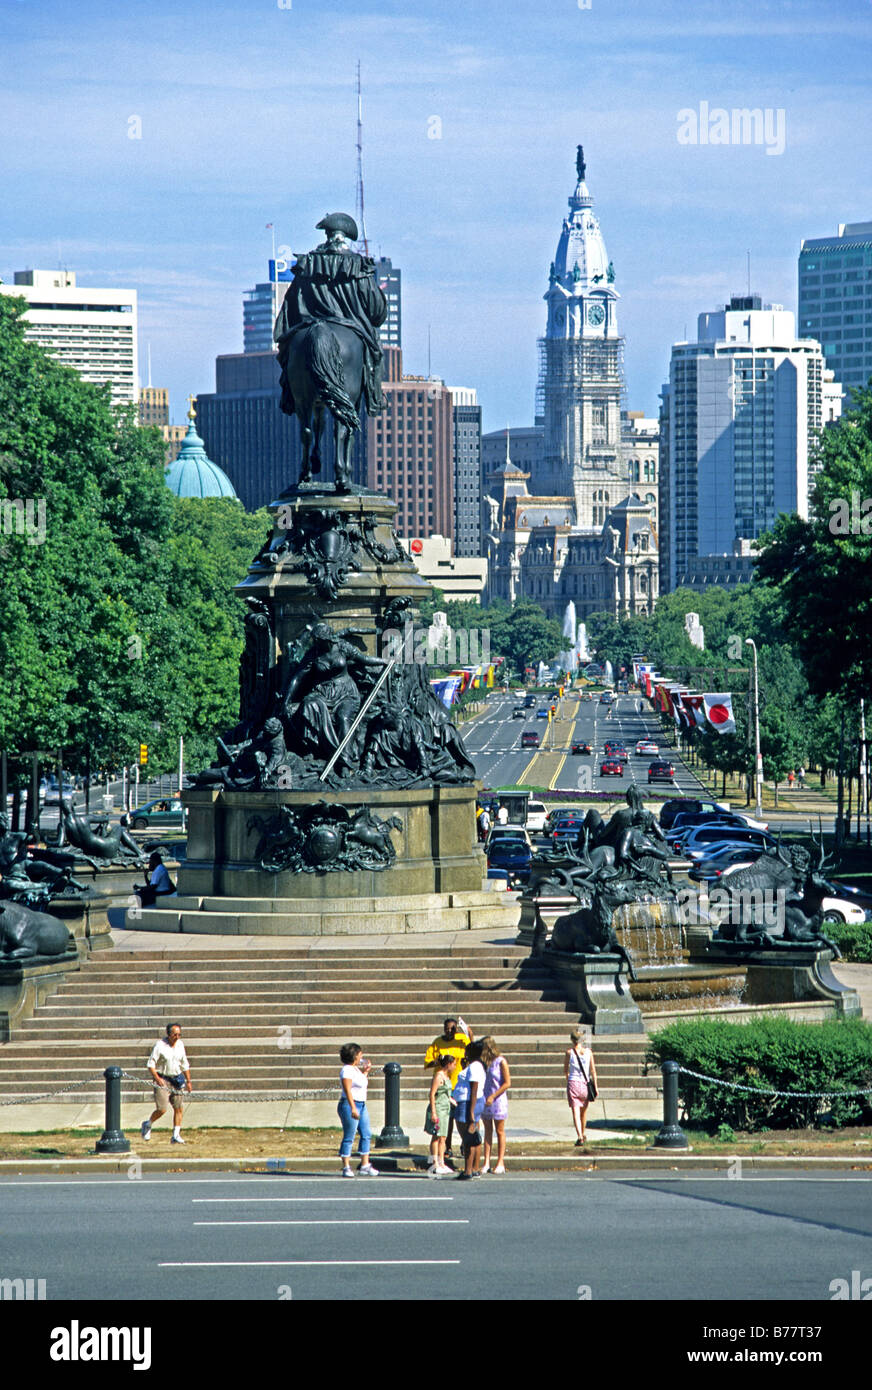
[(358, 208)]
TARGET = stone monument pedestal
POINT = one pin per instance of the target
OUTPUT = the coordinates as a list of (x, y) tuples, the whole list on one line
[(26, 982), (792, 975), (599, 987)]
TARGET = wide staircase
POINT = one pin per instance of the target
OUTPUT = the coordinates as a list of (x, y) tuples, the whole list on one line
[(271, 1023)]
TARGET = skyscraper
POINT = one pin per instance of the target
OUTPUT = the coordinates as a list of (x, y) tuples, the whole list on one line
[(744, 405), (466, 413), (835, 300), (91, 330), (390, 282), (410, 449), (260, 308)]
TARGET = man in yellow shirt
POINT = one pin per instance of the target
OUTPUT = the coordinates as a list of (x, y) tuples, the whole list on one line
[(453, 1042)]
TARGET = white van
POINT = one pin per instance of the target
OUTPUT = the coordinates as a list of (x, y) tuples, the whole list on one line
[(536, 814)]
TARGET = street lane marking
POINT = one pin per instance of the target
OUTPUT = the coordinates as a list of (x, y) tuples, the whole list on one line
[(352, 1221), (349, 1198), (288, 1264)]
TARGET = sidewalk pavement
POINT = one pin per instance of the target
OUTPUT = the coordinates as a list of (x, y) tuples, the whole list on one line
[(529, 1120)]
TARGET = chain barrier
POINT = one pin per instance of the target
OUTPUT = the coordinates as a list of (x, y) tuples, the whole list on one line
[(761, 1091), (50, 1095), (326, 1093)]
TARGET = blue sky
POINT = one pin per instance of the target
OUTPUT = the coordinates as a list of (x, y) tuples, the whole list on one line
[(248, 116)]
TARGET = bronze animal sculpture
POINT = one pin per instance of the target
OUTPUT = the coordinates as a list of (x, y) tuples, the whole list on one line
[(25, 933), (799, 889)]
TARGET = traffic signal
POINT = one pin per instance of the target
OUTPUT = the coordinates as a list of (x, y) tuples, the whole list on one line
[(143, 754)]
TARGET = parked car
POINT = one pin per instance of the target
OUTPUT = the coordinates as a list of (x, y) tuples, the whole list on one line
[(713, 866), (686, 819), (519, 712), (562, 813), (536, 816), (861, 897), (660, 772), (52, 795), (647, 745), (512, 831), (670, 809), (567, 828), (703, 839), (611, 767), (581, 749), (166, 812), (530, 739), (513, 856)]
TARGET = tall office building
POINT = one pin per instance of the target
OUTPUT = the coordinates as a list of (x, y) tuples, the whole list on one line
[(466, 413), (91, 330), (154, 405), (410, 450), (744, 406), (389, 279), (260, 307), (835, 300)]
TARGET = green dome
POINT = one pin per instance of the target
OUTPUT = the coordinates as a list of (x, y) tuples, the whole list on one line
[(193, 474)]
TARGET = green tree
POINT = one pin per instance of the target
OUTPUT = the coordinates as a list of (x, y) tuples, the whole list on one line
[(821, 568)]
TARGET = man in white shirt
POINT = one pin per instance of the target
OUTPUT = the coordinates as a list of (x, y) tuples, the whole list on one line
[(168, 1064)]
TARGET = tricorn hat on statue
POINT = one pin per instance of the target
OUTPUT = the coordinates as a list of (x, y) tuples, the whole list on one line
[(339, 222)]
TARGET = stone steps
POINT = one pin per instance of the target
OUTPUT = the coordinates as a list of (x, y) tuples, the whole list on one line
[(271, 1023)]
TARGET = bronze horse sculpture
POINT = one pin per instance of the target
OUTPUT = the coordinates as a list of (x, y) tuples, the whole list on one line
[(328, 345)]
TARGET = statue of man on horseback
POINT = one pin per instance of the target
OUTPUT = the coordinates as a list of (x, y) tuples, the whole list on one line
[(328, 344)]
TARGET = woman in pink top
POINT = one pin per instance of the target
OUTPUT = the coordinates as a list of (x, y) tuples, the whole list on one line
[(580, 1070), (496, 1108)]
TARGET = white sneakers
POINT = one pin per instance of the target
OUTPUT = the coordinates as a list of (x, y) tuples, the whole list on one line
[(368, 1171), (145, 1129), (348, 1172), (177, 1139)]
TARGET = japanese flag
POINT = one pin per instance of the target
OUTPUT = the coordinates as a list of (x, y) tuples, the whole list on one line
[(719, 712)]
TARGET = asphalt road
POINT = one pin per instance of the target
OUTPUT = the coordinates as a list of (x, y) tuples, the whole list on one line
[(494, 742), (178, 1238)]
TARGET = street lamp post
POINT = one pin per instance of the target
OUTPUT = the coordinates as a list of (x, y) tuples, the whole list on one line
[(758, 765)]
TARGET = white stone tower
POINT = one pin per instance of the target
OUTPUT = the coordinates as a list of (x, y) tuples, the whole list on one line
[(581, 379)]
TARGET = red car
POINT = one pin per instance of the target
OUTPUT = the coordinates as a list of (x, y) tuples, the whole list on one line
[(661, 772), (612, 768)]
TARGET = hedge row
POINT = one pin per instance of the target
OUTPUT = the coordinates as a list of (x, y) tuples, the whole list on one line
[(854, 942), (771, 1054)]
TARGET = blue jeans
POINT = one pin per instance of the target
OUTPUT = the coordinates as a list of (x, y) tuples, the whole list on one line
[(352, 1126)]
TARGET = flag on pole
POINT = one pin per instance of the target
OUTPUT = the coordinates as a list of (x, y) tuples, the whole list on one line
[(695, 708), (719, 712)]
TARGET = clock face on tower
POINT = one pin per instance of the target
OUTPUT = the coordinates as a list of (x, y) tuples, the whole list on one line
[(595, 315)]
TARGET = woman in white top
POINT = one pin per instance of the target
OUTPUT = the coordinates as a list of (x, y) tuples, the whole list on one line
[(580, 1071), (352, 1111), (469, 1094)]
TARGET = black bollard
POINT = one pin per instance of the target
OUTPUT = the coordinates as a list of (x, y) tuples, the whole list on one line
[(670, 1135), (112, 1140), (392, 1136)]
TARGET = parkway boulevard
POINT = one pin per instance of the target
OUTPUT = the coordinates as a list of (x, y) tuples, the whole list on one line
[(557, 1236)]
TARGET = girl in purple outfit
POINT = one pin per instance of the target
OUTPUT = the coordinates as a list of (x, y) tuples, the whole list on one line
[(497, 1082)]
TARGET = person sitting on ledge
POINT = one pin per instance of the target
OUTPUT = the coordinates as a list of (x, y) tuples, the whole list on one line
[(159, 885)]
